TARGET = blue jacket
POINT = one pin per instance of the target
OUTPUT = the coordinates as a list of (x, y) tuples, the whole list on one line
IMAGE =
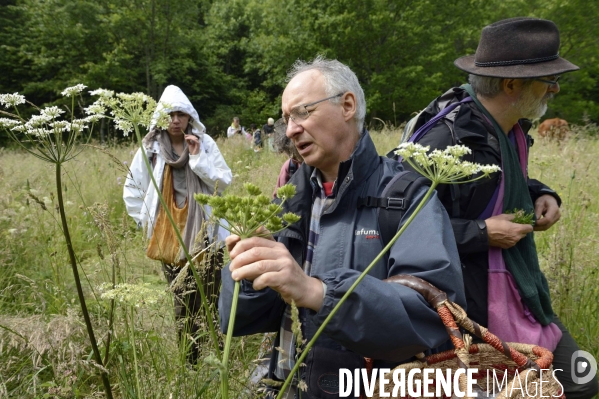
[(379, 320)]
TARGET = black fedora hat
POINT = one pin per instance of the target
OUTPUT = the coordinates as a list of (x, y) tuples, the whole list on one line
[(517, 48)]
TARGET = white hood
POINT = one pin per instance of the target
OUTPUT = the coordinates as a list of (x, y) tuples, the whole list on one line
[(173, 99)]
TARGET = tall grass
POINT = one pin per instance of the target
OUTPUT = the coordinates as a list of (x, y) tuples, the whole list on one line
[(569, 252), (43, 347)]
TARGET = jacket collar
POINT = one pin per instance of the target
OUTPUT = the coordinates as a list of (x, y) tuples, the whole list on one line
[(525, 124), (361, 164)]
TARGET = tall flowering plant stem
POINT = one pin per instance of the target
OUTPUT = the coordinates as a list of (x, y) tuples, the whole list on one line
[(129, 111), (46, 133), (250, 216), (440, 167)]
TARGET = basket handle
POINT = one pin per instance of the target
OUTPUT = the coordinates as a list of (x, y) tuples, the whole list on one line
[(453, 315)]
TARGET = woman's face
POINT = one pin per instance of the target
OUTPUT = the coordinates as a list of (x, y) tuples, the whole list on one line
[(178, 123)]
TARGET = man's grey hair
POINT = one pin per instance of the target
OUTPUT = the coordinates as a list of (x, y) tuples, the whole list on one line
[(485, 86), (488, 86), (338, 78)]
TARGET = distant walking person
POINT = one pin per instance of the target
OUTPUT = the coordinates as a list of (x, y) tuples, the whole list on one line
[(185, 161), (235, 128), (257, 137), (268, 130)]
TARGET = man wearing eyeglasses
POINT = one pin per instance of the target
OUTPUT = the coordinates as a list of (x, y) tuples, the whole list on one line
[(315, 261), (513, 75)]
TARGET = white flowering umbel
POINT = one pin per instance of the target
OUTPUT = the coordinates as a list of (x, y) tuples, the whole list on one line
[(440, 167), (51, 137), (73, 91), (136, 295), (444, 167), (128, 110), (11, 100)]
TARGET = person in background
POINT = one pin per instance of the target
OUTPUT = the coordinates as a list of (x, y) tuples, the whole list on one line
[(235, 128), (513, 75), (184, 161), (283, 144), (257, 137), (268, 130)]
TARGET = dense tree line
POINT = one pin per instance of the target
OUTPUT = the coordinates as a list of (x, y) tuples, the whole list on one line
[(230, 56)]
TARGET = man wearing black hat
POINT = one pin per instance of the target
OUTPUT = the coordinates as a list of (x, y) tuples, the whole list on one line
[(513, 74)]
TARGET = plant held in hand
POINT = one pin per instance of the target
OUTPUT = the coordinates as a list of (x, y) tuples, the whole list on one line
[(249, 216), (521, 217), (245, 215)]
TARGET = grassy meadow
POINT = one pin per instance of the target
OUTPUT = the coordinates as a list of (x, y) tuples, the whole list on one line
[(44, 347)]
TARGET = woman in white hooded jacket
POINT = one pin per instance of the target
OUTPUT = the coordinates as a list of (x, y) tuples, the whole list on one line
[(185, 161)]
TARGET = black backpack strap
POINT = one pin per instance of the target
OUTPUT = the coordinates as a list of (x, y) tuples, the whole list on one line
[(391, 154), (394, 201)]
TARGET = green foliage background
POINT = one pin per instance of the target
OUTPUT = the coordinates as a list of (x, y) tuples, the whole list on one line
[(230, 56)]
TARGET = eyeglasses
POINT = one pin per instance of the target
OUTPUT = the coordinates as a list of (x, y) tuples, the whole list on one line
[(549, 82), (301, 113)]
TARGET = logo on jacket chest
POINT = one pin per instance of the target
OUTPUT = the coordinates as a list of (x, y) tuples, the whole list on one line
[(369, 234)]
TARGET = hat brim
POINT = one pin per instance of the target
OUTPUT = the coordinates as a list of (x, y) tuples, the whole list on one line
[(523, 71)]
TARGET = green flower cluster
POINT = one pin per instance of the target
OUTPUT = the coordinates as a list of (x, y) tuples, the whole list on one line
[(246, 215), (521, 217)]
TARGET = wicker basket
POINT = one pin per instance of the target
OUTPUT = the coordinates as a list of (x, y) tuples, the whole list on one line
[(493, 359)]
